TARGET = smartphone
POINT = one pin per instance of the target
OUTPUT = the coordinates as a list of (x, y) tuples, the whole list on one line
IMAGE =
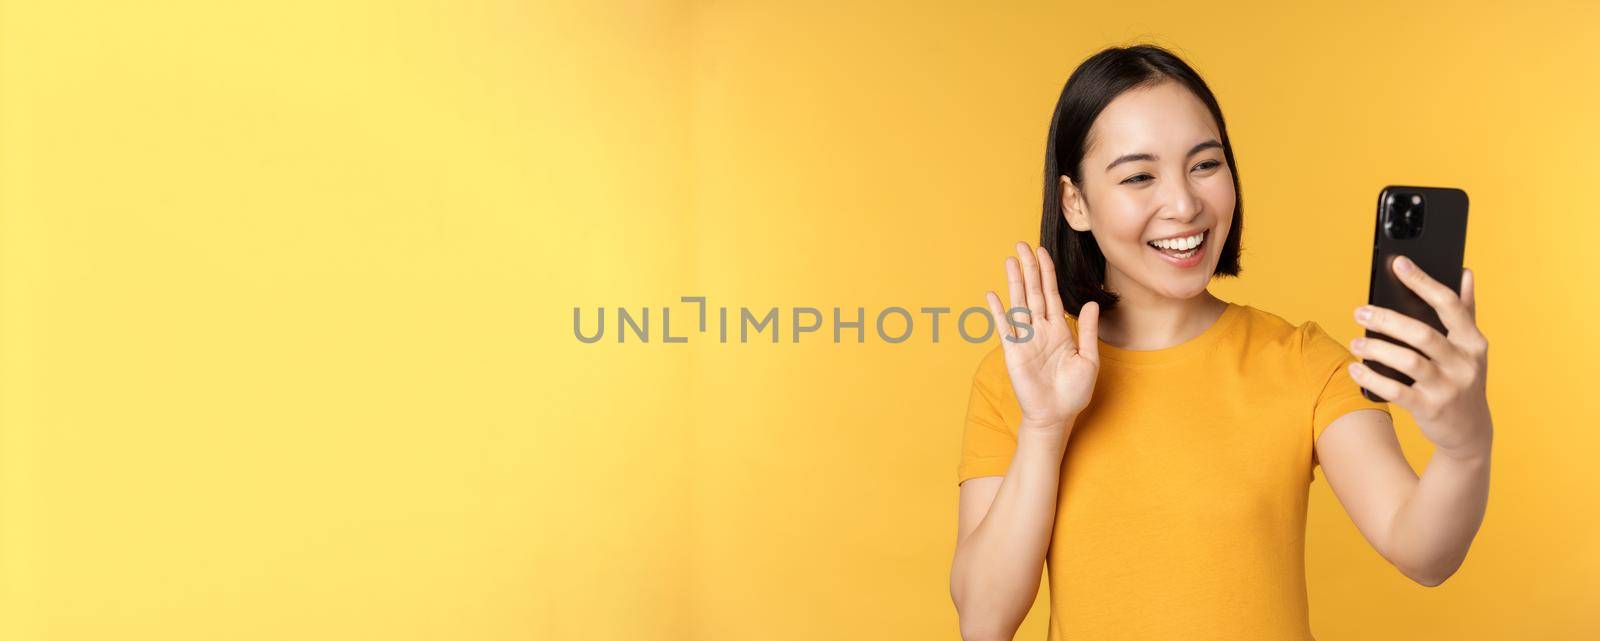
[(1429, 226)]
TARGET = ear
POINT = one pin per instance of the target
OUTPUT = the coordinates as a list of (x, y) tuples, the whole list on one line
[(1073, 208)]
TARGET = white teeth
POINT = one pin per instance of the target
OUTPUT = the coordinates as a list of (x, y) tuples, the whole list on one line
[(1188, 242)]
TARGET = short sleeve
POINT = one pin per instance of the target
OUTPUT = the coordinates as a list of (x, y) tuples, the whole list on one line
[(988, 439), (1335, 393)]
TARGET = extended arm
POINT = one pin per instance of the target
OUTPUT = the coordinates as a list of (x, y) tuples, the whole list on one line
[(1422, 526)]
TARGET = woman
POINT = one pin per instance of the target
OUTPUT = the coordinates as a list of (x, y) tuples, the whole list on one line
[(1156, 451)]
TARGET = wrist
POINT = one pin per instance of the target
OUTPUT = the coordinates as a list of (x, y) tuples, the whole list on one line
[(1046, 425), (1476, 451), (1045, 433)]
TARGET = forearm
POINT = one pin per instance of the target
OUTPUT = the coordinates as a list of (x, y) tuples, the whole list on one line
[(995, 574), (1434, 527)]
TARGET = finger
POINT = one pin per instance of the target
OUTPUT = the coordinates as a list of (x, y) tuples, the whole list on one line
[(1444, 300), (1030, 279), (1408, 330), (1382, 385), (1014, 283), (1089, 332), (1474, 342), (1002, 329), (1402, 359), (1052, 293)]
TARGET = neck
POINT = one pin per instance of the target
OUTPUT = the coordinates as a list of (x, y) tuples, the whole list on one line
[(1144, 320)]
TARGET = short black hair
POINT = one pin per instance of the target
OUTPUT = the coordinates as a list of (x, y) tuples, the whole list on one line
[(1080, 266)]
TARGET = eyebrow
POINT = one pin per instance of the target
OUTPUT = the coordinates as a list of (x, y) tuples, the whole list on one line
[(1209, 144)]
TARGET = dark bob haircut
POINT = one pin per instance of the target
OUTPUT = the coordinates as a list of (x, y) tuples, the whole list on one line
[(1080, 266)]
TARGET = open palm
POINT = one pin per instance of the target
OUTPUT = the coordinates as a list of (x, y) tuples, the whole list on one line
[(1052, 374)]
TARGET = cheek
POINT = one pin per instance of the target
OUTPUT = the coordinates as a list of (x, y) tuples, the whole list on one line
[(1217, 192), (1123, 215)]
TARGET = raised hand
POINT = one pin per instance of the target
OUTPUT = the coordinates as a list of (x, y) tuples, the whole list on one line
[(1448, 397), (1052, 375)]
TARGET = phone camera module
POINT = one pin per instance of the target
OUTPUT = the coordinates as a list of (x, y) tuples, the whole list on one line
[(1403, 215)]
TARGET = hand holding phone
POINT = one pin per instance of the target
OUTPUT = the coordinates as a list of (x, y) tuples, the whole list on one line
[(1423, 348), (1429, 226)]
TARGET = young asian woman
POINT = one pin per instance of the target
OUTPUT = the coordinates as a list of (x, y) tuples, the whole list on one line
[(1154, 449)]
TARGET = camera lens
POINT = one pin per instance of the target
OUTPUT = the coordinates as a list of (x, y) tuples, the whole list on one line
[(1403, 215)]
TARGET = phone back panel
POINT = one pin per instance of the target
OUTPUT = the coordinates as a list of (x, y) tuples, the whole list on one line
[(1438, 250)]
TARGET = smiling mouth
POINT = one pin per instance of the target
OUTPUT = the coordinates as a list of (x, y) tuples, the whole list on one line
[(1173, 248)]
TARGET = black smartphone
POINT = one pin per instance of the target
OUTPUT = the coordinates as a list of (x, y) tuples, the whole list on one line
[(1429, 226)]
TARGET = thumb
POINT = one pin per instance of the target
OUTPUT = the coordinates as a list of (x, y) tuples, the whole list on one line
[(1089, 332)]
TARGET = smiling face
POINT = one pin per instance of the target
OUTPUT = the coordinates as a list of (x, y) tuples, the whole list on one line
[(1154, 170)]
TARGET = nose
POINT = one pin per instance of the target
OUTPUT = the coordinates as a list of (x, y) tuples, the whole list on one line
[(1179, 202)]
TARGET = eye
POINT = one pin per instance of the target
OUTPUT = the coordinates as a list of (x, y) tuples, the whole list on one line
[(1207, 165), (1133, 180)]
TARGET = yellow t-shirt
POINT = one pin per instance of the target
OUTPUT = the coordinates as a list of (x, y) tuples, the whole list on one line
[(1181, 512)]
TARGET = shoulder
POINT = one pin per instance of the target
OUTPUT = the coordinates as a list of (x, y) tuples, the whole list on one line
[(992, 381), (991, 372), (1307, 346), (1263, 327), (1265, 332), (991, 397)]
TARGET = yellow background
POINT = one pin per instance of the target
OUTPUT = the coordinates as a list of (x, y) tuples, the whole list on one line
[(286, 295)]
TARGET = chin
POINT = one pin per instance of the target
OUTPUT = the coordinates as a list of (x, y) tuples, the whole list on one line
[(1188, 292)]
